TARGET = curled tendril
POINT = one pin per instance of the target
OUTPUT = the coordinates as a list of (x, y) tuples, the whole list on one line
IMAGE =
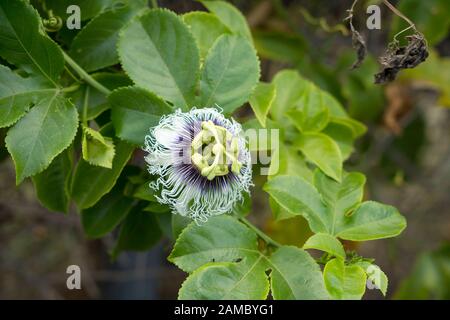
[(53, 23)]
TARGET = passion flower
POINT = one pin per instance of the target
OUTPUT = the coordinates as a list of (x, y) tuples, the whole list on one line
[(201, 162)]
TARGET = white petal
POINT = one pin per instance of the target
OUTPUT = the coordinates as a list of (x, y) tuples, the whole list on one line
[(165, 136)]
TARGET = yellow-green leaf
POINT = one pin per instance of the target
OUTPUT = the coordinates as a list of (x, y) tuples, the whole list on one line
[(323, 151), (327, 243), (344, 282), (261, 100), (97, 150)]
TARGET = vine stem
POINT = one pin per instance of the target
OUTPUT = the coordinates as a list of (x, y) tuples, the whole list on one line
[(154, 3), (322, 23), (401, 15), (85, 107), (72, 88), (350, 15), (261, 234), (350, 11), (71, 74), (398, 13), (85, 76)]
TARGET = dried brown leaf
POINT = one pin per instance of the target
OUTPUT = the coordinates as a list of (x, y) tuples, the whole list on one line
[(359, 45), (399, 58)]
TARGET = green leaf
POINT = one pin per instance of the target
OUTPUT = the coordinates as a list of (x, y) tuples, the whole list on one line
[(311, 113), (245, 280), (279, 213), (223, 258), (139, 232), (344, 282), (371, 221), (286, 160), (323, 152), (295, 275), (289, 87), (90, 183), (24, 44), (326, 243), (206, 28), (94, 47), (299, 197), (221, 239), (52, 185), (230, 72), (155, 207), (42, 134), (334, 107), (344, 196), (159, 53), (106, 214), (261, 101), (343, 136), (335, 215), (134, 112), (144, 192), (17, 95), (97, 150), (262, 140), (230, 17), (295, 92), (164, 220), (357, 128), (305, 121), (341, 198), (179, 223), (326, 208)]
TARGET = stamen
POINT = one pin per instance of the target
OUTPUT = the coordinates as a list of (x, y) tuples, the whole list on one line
[(220, 149)]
